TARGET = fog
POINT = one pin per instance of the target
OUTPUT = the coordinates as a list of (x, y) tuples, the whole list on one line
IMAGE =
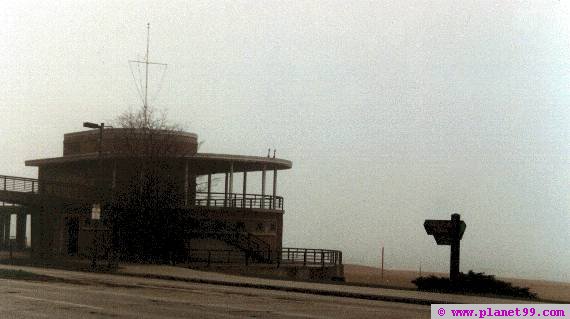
[(392, 112)]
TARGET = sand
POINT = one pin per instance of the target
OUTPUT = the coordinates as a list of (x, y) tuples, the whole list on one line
[(548, 290)]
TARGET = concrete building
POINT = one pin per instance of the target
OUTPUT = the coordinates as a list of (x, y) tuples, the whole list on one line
[(104, 168)]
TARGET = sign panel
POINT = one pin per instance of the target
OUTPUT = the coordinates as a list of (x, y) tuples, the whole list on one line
[(441, 230), (96, 212)]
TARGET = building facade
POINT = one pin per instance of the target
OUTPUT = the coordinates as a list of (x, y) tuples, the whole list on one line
[(151, 193)]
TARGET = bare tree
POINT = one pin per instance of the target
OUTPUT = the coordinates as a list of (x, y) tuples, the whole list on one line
[(150, 189)]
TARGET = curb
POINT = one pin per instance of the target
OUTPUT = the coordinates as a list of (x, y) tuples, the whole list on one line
[(290, 289)]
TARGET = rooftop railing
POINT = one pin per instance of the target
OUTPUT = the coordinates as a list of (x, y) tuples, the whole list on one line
[(239, 200)]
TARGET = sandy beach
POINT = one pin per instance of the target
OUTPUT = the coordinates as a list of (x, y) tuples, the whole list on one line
[(548, 290)]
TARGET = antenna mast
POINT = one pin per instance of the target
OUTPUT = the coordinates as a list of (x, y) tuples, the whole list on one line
[(146, 62), (146, 75)]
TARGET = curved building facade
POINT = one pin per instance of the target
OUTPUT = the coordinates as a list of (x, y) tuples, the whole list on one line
[(113, 170)]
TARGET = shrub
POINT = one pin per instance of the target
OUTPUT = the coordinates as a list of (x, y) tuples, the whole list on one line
[(472, 282)]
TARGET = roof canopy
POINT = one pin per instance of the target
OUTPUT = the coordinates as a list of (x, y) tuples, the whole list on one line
[(203, 163)]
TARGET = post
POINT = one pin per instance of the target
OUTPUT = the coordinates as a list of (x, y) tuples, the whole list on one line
[(382, 271), (114, 176), (244, 190), (21, 230), (2, 232), (454, 258), (209, 190), (263, 188), (101, 194), (274, 187), (226, 190), (186, 186), (231, 186), (7, 222)]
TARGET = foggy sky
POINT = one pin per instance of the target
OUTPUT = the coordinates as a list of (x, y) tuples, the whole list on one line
[(392, 112)]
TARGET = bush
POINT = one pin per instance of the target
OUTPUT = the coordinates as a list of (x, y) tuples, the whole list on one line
[(472, 282)]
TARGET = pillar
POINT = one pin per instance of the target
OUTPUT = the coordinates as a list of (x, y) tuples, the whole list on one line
[(263, 188), (209, 190), (21, 230), (231, 185), (454, 258), (274, 187), (35, 233), (244, 188), (114, 175), (6, 221), (186, 184), (226, 190), (3, 243)]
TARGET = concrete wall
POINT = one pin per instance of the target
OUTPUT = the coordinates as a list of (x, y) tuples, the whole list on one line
[(130, 141), (265, 224)]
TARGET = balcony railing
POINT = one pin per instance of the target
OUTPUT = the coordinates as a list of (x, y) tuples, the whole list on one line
[(239, 200), (74, 192), (18, 184)]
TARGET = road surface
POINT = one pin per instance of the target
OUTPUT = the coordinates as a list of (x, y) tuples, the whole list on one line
[(108, 296)]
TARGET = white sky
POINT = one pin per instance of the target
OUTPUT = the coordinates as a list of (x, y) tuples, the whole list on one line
[(391, 111)]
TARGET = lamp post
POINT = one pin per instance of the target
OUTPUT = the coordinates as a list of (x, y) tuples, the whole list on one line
[(97, 207)]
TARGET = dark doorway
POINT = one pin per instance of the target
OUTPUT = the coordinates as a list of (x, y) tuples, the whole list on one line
[(72, 236)]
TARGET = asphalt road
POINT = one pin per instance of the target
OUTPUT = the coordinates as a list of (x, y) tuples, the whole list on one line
[(109, 296)]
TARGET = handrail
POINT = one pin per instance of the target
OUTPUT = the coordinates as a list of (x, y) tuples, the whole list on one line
[(238, 200), (81, 192), (285, 256), (311, 256), (77, 192), (18, 184)]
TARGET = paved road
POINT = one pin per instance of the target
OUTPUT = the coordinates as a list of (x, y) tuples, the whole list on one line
[(105, 296)]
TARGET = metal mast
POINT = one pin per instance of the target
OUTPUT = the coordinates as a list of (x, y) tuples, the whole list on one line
[(146, 75), (146, 62)]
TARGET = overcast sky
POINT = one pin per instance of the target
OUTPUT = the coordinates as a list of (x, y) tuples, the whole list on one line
[(392, 112)]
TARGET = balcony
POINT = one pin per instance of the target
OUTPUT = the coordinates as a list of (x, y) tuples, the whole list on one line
[(236, 200)]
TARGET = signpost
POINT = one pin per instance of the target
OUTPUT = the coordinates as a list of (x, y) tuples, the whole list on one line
[(448, 232)]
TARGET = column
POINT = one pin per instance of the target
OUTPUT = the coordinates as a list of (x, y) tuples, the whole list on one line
[(209, 190), (244, 189), (186, 184), (35, 234), (454, 257), (226, 190), (21, 230), (2, 231), (114, 176), (231, 187), (263, 188), (6, 222), (274, 187)]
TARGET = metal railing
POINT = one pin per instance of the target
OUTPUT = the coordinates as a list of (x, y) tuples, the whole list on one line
[(285, 256), (82, 192), (75, 192), (18, 184), (311, 256), (239, 200), (222, 256)]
